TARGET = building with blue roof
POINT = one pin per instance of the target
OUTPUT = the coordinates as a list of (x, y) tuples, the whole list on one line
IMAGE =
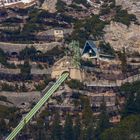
[(93, 50), (90, 50)]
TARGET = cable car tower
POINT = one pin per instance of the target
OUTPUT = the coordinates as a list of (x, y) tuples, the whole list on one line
[(76, 55)]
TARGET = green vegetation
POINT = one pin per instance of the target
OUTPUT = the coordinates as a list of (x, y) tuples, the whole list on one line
[(77, 128), (56, 51), (107, 7), (105, 48), (123, 16), (22, 88), (60, 6), (56, 133), (10, 113), (30, 53), (68, 128), (6, 112), (40, 66), (7, 87), (40, 86), (21, 11), (3, 128), (118, 14), (30, 28), (34, 23), (87, 127), (132, 94), (103, 122), (3, 59), (90, 28), (27, 53), (12, 20), (84, 2), (75, 84), (88, 121), (10, 66), (47, 79), (105, 11), (12, 88), (76, 7), (81, 127), (84, 126), (87, 63), (25, 34), (25, 68), (123, 58), (128, 129), (3, 98)]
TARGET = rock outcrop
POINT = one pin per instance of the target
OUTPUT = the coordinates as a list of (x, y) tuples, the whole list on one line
[(49, 5), (120, 36)]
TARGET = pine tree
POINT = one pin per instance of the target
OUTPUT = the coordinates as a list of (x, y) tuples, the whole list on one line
[(87, 113), (40, 134), (87, 121), (77, 128), (103, 120), (68, 128), (123, 58), (3, 127), (56, 128)]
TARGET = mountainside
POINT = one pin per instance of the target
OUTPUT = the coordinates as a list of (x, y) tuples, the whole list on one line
[(119, 36), (133, 6), (94, 45)]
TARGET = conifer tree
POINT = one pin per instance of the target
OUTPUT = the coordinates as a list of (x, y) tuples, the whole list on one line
[(56, 128), (87, 121), (103, 122), (3, 127), (68, 128), (77, 128)]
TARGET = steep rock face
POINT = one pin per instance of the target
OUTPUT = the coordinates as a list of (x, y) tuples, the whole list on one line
[(119, 36), (49, 5), (133, 6)]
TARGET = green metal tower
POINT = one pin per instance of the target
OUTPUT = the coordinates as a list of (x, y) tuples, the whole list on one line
[(76, 55)]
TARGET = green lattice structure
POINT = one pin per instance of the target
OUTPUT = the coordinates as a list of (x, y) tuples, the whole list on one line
[(37, 107), (76, 55)]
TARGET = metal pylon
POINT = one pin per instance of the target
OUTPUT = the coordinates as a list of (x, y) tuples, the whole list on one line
[(76, 56)]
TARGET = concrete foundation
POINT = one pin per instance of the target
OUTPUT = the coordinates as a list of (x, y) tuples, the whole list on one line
[(64, 65)]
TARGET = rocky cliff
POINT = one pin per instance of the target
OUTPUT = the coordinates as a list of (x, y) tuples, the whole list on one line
[(119, 36), (49, 5)]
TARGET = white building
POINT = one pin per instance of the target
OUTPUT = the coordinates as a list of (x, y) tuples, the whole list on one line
[(8, 3)]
